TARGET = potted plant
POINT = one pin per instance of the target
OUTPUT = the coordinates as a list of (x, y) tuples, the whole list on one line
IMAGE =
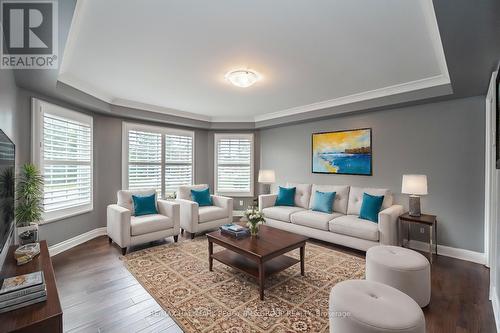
[(255, 218), (29, 208)]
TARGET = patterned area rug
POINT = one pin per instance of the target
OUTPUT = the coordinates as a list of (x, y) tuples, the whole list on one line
[(225, 300)]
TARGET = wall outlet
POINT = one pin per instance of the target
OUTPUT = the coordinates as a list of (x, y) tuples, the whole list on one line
[(241, 203), (422, 230)]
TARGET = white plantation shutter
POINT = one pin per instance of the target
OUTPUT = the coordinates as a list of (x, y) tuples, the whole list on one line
[(178, 161), (157, 157), (63, 152), (234, 164), (144, 160)]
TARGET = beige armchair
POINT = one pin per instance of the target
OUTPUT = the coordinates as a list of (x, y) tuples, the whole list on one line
[(196, 219), (127, 230)]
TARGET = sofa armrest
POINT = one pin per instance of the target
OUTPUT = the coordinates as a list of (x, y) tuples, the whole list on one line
[(171, 209), (388, 225), (188, 214), (118, 224), (267, 200)]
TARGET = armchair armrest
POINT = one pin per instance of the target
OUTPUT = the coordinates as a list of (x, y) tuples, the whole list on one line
[(118, 224), (388, 224), (267, 200), (172, 210), (188, 214), (224, 203)]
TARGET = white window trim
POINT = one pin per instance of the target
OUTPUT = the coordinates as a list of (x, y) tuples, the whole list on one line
[(217, 137), (37, 110), (128, 126)]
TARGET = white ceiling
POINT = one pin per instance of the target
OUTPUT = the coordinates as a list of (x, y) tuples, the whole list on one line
[(171, 56)]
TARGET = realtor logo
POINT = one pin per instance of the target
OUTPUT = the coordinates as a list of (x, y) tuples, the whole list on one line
[(29, 35)]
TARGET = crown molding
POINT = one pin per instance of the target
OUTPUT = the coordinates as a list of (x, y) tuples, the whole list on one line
[(232, 119), (431, 82), (84, 87), (159, 109), (396, 94)]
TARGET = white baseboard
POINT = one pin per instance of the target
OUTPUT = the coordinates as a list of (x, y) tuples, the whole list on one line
[(496, 307), (77, 240), (453, 252)]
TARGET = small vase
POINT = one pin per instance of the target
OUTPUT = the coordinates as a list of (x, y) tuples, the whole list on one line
[(27, 234), (254, 230)]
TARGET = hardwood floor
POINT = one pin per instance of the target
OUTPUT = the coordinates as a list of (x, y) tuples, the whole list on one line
[(99, 295)]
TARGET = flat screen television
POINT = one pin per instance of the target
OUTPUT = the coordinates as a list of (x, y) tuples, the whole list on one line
[(7, 181)]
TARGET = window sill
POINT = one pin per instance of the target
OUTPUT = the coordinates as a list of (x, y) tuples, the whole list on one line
[(235, 194), (67, 216)]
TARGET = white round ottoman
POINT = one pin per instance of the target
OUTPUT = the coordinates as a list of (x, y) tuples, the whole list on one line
[(360, 306), (401, 268)]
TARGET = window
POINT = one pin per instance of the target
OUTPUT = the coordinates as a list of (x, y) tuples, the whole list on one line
[(234, 164), (157, 157), (62, 149)]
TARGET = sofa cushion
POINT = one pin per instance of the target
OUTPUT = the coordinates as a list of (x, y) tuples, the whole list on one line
[(211, 213), (145, 224), (341, 196), (302, 194), (352, 225), (124, 197), (184, 192), (356, 198), (280, 213), (313, 219)]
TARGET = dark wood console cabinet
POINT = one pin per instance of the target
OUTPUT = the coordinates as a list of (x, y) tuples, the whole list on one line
[(42, 317)]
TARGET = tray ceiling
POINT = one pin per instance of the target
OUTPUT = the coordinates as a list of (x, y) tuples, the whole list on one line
[(171, 56)]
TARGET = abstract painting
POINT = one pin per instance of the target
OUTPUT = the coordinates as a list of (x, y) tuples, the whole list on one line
[(343, 152)]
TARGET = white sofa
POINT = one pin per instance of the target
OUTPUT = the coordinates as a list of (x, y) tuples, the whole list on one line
[(196, 219), (343, 226), (126, 230)]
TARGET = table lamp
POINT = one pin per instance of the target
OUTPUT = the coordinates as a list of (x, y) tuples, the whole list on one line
[(267, 177), (415, 186)]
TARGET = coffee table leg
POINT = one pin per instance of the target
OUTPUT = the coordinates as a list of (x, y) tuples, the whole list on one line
[(210, 252), (302, 255), (261, 280)]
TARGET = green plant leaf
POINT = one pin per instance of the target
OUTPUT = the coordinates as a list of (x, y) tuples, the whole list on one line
[(29, 195)]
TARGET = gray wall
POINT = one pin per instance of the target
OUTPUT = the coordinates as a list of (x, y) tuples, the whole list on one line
[(443, 140), (107, 161), (64, 229), (497, 247)]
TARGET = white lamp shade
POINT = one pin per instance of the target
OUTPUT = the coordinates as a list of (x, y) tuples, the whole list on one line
[(414, 184), (267, 176)]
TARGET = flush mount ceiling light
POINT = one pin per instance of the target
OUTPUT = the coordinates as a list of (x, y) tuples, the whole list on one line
[(242, 78)]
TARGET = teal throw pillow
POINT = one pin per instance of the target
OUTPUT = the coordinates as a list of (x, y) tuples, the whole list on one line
[(144, 204), (202, 197), (323, 202), (286, 196), (371, 207)]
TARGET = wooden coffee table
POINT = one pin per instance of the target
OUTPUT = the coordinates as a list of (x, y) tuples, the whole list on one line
[(260, 256)]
